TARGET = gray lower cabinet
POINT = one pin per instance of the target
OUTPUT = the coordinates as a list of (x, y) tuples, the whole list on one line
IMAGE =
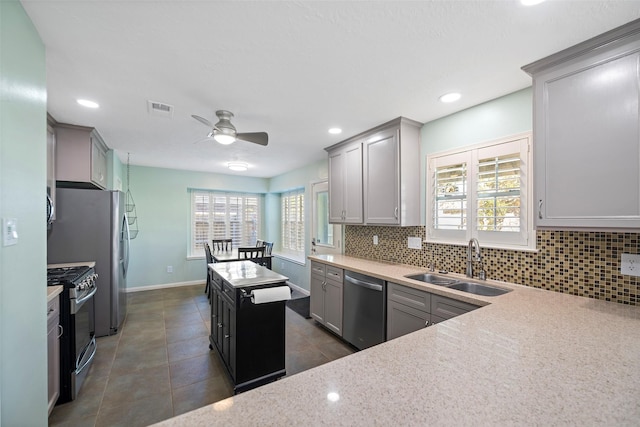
[(53, 352), (410, 309), (326, 296)]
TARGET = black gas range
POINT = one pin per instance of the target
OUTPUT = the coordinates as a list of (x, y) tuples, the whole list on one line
[(77, 318)]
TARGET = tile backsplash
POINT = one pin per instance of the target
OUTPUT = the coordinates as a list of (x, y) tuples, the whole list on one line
[(574, 262)]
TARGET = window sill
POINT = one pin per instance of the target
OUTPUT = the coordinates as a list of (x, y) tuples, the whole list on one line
[(483, 245), (300, 260)]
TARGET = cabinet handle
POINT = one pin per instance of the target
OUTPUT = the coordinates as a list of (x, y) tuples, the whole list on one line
[(227, 336), (219, 325), (61, 329), (540, 209), (395, 213), (426, 323), (213, 316)]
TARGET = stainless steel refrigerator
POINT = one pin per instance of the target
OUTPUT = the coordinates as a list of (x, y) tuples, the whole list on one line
[(91, 225)]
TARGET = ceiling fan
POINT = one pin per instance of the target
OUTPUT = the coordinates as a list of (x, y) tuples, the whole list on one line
[(225, 133)]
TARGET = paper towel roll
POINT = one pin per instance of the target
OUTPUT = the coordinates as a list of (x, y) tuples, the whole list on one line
[(278, 293)]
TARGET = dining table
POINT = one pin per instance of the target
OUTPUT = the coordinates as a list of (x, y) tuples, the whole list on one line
[(232, 255)]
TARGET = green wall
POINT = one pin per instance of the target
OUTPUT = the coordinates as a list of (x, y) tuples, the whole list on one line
[(507, 115), (162, 206), (23, 133), (297, 273)]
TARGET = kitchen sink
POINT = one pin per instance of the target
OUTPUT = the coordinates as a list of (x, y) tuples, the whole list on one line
[(432, 279), (478, 289)]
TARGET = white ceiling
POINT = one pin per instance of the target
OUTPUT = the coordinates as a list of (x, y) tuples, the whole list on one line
[(290, 68)]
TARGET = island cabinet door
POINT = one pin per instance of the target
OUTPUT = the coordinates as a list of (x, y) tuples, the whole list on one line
[(228, 337), (216, 319)]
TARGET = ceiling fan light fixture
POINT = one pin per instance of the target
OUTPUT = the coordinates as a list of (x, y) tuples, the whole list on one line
[(238, 166), (224, 139)]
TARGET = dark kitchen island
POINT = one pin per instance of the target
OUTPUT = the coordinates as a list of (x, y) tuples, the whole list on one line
[(248, 334)]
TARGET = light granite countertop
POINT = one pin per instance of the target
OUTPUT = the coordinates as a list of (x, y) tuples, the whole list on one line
[(240, 274), (528, 357), (53, 291)]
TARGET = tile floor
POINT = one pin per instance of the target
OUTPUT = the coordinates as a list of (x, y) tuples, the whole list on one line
[(159, 365)]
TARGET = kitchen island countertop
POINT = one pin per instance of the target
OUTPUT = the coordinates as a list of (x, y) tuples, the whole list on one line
[(526, 357), (240, 274)]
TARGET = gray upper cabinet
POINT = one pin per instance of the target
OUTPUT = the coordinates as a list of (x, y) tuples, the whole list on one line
[(345, 184), (374, 177), (587, 133), (81, 157)]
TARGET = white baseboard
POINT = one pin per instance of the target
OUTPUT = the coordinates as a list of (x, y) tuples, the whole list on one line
[(165, 286), (298, 288)]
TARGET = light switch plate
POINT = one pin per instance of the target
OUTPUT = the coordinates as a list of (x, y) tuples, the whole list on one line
[(375, 239), (9, 231), (414, 243), (630, 264)]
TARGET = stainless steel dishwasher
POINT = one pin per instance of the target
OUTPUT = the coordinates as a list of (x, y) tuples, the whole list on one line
[(364, 310)]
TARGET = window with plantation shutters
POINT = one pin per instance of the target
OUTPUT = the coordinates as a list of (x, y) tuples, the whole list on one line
[(218, 215), (292, 226), (484, 192)]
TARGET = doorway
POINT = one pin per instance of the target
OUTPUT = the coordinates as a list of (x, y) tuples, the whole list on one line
[(326, 238)]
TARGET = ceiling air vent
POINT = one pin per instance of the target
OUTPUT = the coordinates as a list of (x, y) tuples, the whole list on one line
[(160, 109)]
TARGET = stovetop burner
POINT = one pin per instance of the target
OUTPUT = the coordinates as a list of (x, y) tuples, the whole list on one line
[(70, 275)]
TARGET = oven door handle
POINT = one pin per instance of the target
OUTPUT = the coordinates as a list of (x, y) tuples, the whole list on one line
[(94, 346), (86, 297)]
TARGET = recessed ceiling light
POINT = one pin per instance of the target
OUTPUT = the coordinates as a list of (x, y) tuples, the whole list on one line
[(335, 131), (87, 103), (238, 166), (530, 2), (450, 97)]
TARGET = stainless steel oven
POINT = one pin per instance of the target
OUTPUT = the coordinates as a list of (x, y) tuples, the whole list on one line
[(77, 317)]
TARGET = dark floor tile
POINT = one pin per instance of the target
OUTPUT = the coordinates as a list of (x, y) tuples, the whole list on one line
[(136, 385), (89, 421), (135, 298), (189, 371), (145, 306), (147, 335), (177, 307), (134, 413), (298, 361), (175, 320), (86, 405), (201, 393), (188, 348), (186, 332), (136, 358), (336, 350), (135, 317)]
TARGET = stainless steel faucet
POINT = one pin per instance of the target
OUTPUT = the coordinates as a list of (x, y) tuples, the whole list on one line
[(471, 255)]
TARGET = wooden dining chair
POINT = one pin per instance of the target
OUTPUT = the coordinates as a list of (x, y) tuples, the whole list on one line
[(255, 254), (220, 245), (268, 246)]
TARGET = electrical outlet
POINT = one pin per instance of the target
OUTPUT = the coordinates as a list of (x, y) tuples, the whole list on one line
[(630, 265), (169, 268), (414, 243), (375, 240)]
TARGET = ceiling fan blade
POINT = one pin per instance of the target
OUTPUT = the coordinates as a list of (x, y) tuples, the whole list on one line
[(260, 138), (205, 139), (202, 120)]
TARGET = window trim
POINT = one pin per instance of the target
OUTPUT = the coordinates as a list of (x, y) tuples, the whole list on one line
[(470, 153), (192, 253), (299, 254)]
